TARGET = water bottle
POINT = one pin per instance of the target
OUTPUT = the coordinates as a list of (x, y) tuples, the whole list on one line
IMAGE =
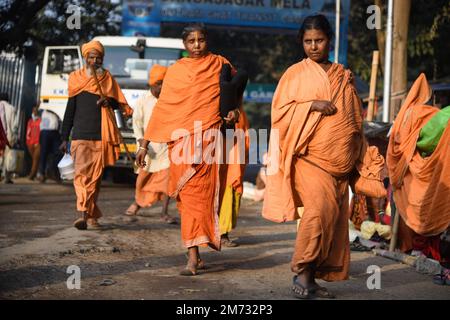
[(119, 119)]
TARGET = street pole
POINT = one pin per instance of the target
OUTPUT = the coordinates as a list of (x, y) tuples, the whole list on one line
[(338, 22), (388, 63)]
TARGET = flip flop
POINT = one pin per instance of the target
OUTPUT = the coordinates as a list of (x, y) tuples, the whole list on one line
[(130, 212), (323, 292), (188, 272), (356, 246), (168, 219), (80, 224), (299, 291), (442, 278), (228, 243)]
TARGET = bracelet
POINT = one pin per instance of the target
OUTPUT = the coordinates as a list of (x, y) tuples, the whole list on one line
[(142, 148)]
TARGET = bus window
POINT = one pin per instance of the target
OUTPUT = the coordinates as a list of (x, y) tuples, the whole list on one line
[(62, 61), (121, 61)]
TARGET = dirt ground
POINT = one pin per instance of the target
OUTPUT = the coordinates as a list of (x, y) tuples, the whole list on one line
[(142, 259)]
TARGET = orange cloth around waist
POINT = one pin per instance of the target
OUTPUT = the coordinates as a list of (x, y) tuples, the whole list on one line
[(332, 142), (87, 158), (196, 187), (421, 185), (190, 93), (79, 81), (151, 187), (322, 236)]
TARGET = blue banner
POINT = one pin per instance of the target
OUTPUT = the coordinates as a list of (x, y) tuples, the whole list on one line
[(144, 17)]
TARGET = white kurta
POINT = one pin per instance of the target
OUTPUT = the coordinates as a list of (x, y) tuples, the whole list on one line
[(157, 157)]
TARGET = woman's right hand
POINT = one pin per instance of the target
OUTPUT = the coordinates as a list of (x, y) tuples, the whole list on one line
[(324, 107)]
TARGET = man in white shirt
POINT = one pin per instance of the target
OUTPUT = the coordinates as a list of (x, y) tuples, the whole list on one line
[(152, 181), (8, 117), (50, 140)]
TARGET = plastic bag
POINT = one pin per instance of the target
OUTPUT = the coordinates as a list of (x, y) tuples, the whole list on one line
[(432, 131)]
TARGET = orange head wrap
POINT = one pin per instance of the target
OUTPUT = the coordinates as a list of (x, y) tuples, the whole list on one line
[(92, 45), (157, 73)]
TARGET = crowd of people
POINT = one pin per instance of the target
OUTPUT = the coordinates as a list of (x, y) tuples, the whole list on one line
[(320, 151)]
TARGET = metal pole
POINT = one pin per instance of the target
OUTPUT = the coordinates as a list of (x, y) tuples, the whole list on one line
[(338, 22), (388, 63)]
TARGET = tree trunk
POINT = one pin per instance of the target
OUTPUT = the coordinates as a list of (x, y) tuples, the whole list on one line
[(399, 62), (381, 35)]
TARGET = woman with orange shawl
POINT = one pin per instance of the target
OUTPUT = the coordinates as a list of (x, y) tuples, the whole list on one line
[(187, 117), (315, 142), (95, 138), (420, 184)]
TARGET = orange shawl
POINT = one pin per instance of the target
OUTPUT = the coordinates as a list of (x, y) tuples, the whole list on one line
[(421, 185), (190, 92), (300, 132), (79, 81)]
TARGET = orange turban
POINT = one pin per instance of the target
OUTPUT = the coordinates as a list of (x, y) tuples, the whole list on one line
[(157, 73), (92, 45)]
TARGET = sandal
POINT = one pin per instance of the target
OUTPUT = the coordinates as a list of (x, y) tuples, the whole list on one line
[(93, 224), (81, 223), (130, 211), (189, 271), (442, 278), (356, 246), (226, 242), (200, 263), (169, 219), (323, 292), (300, 292)]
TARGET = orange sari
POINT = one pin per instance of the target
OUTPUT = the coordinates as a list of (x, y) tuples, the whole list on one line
[(421, 185), (190, 93), (314, 155)]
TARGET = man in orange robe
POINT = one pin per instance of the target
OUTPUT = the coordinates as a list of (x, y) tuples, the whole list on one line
[(153, 180), (187, 117), (421, 185), (95, 137)]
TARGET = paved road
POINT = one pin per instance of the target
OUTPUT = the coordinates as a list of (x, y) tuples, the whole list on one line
[(142, 258)]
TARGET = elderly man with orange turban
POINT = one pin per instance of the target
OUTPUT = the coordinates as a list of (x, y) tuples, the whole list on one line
[(152, 180), (89, 121)]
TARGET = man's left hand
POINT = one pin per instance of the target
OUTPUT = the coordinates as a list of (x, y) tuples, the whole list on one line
[(103, 102)]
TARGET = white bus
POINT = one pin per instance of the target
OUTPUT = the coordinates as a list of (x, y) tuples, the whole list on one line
[(127, 58)]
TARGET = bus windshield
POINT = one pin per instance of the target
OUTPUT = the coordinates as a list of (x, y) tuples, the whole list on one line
[(123, 62)]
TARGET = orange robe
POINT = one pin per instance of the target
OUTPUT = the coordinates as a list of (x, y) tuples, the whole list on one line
[(421, 185), (310, 158), (91, 157), (190, 93)]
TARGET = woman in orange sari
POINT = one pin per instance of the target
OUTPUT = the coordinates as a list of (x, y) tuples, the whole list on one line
[(315, 142), (187, 118)]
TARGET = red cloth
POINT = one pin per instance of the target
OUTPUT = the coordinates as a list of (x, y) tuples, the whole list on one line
[(428, 245), (33, 131)]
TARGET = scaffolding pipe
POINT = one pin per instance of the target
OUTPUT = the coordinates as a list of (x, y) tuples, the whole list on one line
[(388, 63)]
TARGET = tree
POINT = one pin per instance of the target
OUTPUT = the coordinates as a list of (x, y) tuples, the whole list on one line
[(399, 86), (43, 22)]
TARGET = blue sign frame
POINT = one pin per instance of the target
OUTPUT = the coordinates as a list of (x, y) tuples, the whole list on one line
[(143, 17)]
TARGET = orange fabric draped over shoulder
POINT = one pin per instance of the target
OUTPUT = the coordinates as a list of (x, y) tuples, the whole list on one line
[(79, 81), (421, 185), (295, 126), (190, 92)]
